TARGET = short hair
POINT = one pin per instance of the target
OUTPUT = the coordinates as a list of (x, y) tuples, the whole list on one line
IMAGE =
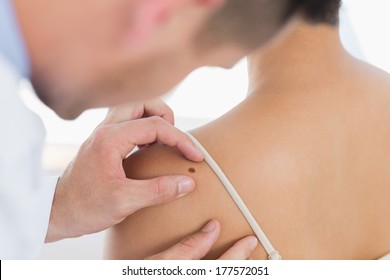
[(318, 11), (253, 22)]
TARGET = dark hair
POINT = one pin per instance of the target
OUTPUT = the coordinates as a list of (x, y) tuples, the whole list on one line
[(252, 22), (318, 11)]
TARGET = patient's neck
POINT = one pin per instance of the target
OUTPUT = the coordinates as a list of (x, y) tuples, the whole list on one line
[(306, 55)]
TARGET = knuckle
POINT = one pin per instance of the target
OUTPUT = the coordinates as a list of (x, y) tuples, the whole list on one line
[(169, 110), (137, 111), (188, 244), (170, 114), (100, 131), (119, 202), (159, 193), (156, 121), (100, 137), (165, 109)]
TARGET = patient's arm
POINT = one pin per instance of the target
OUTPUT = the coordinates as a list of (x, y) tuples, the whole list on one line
[(152, 230)]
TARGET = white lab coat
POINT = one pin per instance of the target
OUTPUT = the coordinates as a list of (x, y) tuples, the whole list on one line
[(25, 194)]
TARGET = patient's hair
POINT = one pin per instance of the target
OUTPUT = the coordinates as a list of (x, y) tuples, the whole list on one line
[(252, 22), (318, 11)]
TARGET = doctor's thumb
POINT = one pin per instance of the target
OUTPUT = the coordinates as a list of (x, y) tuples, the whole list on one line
[(145, 193)]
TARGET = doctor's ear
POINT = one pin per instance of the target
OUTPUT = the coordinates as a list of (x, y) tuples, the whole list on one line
[(151, 14)]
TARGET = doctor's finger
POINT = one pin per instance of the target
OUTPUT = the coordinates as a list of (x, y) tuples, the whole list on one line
[(241, 250), (124, 113), (138, 110), (145, 193), (157, 107), (193, 247), (150, 130)]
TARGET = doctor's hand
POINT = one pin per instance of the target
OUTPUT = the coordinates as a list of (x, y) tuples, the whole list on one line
[(196, 246), (94, 194)]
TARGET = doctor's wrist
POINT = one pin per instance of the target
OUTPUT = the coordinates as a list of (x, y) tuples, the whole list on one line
[(54, 232), (60, 222)]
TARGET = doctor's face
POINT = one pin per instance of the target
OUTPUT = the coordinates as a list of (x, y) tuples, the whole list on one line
[(88, 54)]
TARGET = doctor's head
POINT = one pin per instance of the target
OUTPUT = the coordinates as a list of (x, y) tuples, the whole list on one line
[(87, 54)]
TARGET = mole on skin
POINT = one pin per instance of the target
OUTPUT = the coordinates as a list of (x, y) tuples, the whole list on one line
[(191, 170)]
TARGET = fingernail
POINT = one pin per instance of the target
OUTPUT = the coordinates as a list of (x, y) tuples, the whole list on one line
[(185, 186), (200, 154), (209, 227), (254, 242)]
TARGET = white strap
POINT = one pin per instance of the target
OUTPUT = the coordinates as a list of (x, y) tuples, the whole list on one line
[(272, 253)]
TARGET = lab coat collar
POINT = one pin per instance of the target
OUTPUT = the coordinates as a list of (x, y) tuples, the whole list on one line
[(12, 45)]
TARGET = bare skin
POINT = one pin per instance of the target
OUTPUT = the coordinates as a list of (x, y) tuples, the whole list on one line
[(308, 151)]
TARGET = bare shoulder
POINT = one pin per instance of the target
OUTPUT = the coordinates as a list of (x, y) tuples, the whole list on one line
[(259, 170), (152, 230)]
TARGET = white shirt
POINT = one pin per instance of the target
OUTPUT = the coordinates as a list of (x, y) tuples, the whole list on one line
[(25, 194)]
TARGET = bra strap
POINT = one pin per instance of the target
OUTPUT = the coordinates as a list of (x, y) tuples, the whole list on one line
[(272, 253)]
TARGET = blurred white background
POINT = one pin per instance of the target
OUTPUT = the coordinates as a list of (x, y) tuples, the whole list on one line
[(203, 96)]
